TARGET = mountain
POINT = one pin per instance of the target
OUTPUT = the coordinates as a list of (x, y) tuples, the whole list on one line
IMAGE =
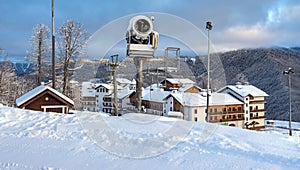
[(263, 67)]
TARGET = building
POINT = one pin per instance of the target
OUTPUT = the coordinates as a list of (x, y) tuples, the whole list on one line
[(254, 103), (176, 83), (45, 99), (102, 90), (233, 105), (88, 97)]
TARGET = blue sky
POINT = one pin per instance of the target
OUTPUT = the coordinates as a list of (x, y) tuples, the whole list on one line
[(237, 24)]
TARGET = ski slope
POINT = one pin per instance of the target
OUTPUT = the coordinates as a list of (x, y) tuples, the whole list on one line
[(86, 140)]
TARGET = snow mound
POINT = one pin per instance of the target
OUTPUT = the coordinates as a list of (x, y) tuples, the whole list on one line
[(86, 140)]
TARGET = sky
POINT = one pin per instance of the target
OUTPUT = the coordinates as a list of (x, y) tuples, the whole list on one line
[(236, 24)]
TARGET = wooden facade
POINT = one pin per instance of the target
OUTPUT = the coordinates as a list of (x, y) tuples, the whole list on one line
[(47, 101)]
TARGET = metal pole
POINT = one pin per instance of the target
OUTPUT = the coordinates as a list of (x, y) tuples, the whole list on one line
[(140, 81), (53, 48), (115, 91), (208, 75), (290, 103), (114, 64)]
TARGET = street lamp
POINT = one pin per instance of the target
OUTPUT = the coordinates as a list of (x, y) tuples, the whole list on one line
[(208, 27), (289, 72)]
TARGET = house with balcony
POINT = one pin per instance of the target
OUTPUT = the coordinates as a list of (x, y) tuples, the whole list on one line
[(223, 108), (253, 100)]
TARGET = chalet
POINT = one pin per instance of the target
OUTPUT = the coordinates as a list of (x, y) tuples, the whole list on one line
[(254, 103), (176, 83), (46, 99)]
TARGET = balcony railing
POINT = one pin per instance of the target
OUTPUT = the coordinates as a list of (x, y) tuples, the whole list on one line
[(258, 110), (258, 117)]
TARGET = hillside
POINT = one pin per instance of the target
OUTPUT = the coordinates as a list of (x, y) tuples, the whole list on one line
[(86, 140), (263, 68)]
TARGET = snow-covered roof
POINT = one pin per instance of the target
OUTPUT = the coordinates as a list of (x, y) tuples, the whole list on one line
[(186, 87), (218, 99), (123, 81), (107, 86), (36, 91), (155, 95), (245, 90), (180, 81), (124, 93), (88, 89), (196, 99)]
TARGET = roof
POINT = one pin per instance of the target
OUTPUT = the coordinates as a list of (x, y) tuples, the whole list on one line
[(186, 87), (155, 95), (87, 89), (107, 86), (36, 91), (180, 81), (196, 99), (218, 99), (245, 90), (123, 81)]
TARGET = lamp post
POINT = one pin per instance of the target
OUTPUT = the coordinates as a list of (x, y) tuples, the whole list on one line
[(289, 72), (208, 27), (53, 45)]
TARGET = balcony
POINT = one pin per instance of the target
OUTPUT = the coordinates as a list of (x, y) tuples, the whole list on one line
[(258, 110), (258, 117)]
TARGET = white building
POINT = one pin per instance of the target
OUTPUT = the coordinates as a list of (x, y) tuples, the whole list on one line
[(88, 96)]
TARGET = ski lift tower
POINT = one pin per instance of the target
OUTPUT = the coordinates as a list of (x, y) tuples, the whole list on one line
[(142, 41)]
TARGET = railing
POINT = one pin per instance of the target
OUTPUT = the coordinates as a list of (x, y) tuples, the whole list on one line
[(258, 117), (258, 110)]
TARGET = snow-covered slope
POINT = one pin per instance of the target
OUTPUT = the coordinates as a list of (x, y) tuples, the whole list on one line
[(85, 140)]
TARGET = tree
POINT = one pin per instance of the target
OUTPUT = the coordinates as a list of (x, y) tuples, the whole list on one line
[(7, 80), (72, 38), (40, 49)]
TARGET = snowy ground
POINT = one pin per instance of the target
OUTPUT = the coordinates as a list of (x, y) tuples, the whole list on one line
[(36, 140)]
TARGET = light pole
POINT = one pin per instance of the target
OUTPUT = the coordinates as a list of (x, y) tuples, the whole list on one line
[(289, 72), (53, 45), (208, 27)]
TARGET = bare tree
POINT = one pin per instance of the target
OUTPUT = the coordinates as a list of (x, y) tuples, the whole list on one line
[(72, 39), (40, 49), (7, 77)]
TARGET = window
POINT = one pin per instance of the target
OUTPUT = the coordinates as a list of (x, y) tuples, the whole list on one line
[(210, 110), (256, 114), (251, 114), (216, 110), (224, 109), (239, 108), (195, 111), (229, 109), (256, 107), (170, 108), (251, 108), (196, 119)]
